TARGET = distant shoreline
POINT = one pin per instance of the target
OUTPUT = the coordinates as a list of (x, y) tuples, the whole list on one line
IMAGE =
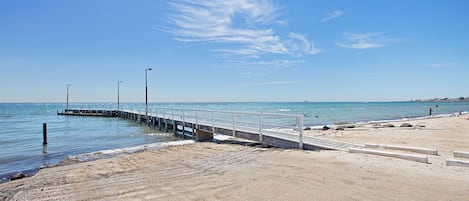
[(460, 99), (444, 100)]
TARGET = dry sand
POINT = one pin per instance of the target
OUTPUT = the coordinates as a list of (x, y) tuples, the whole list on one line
[(446, 134), (211, 171)]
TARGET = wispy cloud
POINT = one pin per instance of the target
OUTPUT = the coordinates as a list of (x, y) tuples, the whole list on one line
[(303, 44), (254, 84), (364, 40), (278, 64), (242, 27), (335, 14), (259, 67), (439, 65)]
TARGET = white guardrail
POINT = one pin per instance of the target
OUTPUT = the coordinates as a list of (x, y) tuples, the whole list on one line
[(287, 126)]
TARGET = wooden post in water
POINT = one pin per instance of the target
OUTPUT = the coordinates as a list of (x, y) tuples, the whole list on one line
[(44, 133)]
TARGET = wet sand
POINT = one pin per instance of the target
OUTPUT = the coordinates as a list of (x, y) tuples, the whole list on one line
[(211, 171)]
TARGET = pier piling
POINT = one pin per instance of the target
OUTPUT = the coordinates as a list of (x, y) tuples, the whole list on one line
[(44, 133)]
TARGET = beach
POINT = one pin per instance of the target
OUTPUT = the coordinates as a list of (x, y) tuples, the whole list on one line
[(234, 171)]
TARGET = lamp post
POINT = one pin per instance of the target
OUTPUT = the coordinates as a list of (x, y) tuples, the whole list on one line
[(118, 91), (68, 86), (146, 94)]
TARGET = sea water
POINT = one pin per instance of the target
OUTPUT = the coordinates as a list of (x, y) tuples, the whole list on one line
[(21, 136), (21, 125)]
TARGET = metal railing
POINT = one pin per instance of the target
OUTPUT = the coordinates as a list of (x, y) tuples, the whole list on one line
[(288, 126)]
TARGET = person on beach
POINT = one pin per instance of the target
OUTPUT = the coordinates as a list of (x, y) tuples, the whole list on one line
[(430, 111)]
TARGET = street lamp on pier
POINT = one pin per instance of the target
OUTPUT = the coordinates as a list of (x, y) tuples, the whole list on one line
[(68, 86), (146, 94), (118, 92)]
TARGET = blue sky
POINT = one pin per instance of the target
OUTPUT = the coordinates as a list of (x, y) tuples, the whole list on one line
[(241, 50)]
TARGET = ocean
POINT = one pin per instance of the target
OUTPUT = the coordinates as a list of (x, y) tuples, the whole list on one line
[(21, 126)]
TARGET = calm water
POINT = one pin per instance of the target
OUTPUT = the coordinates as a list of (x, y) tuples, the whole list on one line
[(21, 126)]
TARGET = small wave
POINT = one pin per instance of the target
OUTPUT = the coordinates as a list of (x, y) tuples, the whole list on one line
[(411, 118), (128, 150), (284, 110), (18, 175), (280, 130), (160, 134), (221, 137)]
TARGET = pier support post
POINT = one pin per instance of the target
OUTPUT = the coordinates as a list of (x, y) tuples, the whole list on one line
[(203, 135), (193, 131), (159, 123), (44, 133)]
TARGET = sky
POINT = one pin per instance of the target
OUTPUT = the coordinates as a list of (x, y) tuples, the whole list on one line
[(233, 50)]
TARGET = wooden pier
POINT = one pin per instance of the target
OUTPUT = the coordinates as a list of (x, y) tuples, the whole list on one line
[(200, 125), (89, 112)]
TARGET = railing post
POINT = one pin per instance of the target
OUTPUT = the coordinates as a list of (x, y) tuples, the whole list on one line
[(165, 121), (300, 129), (196, 120), (183, 123), (194, 126), (234, 123), (261, 123), (174, 122), (213, 124)]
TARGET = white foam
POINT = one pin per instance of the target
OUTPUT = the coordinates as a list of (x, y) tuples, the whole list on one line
[(280, 130), (127, 150), (411, 118), (221, 137), (316, 127)]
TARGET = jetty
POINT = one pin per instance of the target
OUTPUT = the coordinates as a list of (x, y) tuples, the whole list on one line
[(278, 130), (89, 112)]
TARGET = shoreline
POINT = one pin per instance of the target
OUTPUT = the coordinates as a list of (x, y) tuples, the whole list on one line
[(446, 132), (92, 156), (334, 125)]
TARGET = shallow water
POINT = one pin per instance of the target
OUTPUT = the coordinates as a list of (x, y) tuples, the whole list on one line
[(21, 136)]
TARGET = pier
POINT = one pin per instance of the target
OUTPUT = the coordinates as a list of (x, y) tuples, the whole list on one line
[(89, 112), (278, 130)]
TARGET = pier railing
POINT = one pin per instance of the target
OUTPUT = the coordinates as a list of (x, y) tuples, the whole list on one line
[(288, 126), (282, 130)]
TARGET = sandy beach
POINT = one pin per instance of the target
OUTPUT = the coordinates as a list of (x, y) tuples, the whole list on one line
[(225, 171)]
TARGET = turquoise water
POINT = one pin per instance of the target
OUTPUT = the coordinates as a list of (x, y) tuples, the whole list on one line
[(320, 113), (21, 126)]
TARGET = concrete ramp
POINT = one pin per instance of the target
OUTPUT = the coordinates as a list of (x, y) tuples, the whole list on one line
[(330, 144)]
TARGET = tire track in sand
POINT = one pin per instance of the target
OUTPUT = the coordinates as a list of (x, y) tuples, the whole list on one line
[(136, 176)]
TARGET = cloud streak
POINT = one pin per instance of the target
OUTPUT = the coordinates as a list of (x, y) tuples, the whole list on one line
[(256, 84), (240, 27), (439, 65), (335, 14), (273, 64), (363, 40)]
